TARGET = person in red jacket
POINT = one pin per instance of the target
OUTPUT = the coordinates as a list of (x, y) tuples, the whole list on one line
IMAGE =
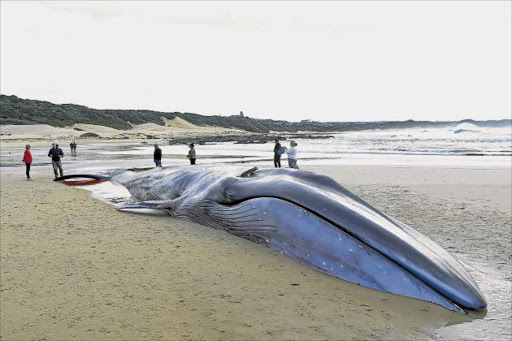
[(27, 158)]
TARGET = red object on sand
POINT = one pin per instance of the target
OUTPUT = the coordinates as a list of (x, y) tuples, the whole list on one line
[(83, 183)]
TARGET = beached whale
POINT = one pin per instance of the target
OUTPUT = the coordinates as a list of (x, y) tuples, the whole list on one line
[(313, 220)]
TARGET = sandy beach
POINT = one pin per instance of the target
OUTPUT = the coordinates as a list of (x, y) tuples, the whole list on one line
[(73, 267), (165, 121)]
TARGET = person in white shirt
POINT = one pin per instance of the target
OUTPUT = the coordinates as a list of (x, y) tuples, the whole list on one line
[(292, 155)]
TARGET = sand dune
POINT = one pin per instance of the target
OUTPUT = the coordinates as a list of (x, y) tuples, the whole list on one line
[(40, 131), (178, 122), (176, 127), (93, 128), (149, 127)]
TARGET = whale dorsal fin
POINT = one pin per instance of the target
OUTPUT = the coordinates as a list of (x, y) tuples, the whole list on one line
[(249, 173)]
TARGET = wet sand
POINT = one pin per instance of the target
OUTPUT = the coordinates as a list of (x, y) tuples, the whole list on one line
[(73, 267)]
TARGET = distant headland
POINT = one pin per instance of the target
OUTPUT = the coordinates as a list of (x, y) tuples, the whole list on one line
[(18, 111)]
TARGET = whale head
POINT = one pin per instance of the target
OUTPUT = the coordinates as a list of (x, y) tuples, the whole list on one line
[(313, 219)]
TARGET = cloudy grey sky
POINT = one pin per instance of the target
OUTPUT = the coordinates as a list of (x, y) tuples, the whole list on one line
[(329, 61)]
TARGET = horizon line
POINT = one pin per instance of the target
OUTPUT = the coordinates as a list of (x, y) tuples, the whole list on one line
[(262, 119)]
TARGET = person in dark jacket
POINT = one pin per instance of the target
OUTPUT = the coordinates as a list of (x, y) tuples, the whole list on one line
[(192, 154), (27, 158), (157, 156), (277, 154), (56, 153)]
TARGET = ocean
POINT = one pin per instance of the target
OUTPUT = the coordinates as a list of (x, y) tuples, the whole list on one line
[(449, 145)]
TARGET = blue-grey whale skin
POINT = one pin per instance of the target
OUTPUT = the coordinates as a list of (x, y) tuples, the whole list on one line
[(314, 220)]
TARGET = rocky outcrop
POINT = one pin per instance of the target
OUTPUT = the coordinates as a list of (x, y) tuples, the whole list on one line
[(245, 138)]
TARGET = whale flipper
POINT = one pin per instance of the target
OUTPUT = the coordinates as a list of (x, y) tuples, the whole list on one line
[(158, 205)]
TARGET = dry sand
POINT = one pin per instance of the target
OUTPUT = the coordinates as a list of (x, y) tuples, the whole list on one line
[(74, 267)]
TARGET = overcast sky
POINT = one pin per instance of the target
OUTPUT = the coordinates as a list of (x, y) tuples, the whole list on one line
[(328, 61)]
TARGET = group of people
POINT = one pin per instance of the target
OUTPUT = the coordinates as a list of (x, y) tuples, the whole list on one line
[(157, 155), (72, 147), (292, 154), (55, 153), (278, 151)]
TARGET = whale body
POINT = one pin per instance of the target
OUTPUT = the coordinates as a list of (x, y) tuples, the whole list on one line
[(313, 220)]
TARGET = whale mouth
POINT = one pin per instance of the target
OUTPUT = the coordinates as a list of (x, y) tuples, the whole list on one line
[(81, 179), (436, 295), (397, 242)]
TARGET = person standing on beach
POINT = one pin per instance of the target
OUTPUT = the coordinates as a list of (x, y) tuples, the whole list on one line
[(192, 154), (56, 153), (292, 155), (157, 156), (27, 158), (72, 146), (277, 154)]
